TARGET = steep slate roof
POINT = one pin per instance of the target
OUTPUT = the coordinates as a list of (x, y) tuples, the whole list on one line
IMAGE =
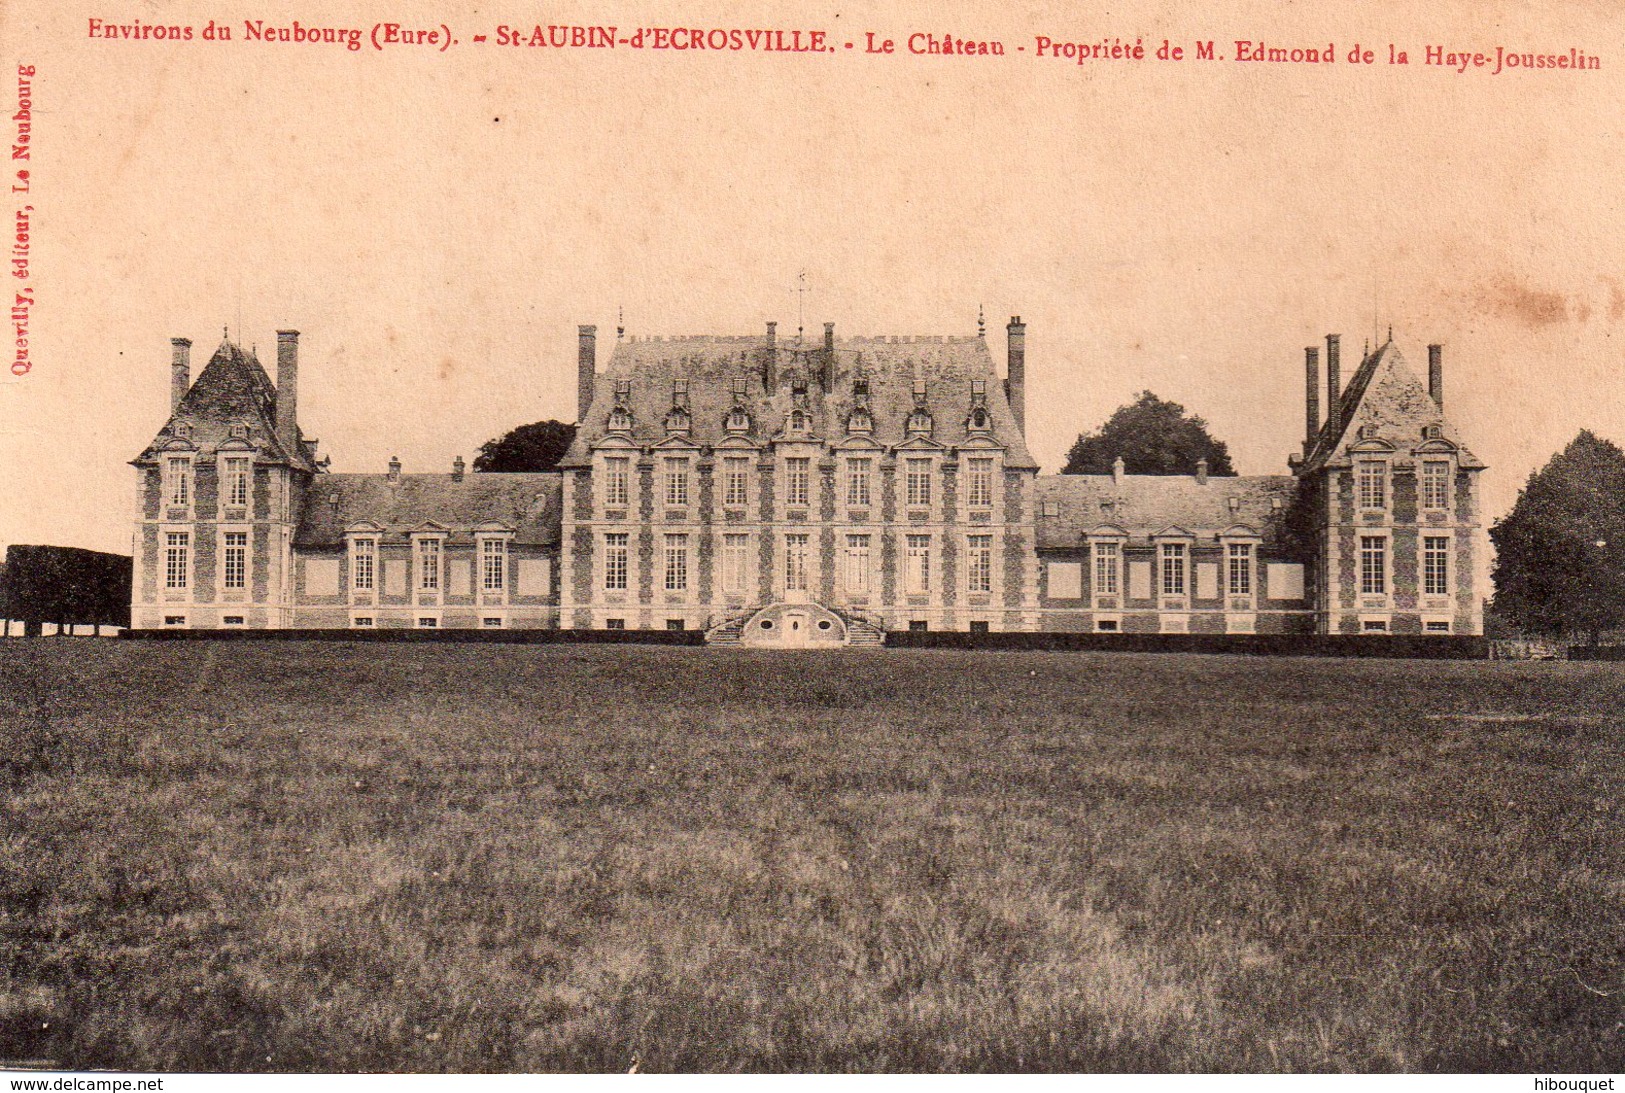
[(1144, 505), (527, 503), (232, 388), (713, 366), (1386, 393)]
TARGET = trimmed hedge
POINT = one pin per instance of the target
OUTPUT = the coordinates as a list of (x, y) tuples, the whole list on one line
[(1419, 646), (486, 637)]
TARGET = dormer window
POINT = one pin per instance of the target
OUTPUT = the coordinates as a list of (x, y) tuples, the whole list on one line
[(1432, 432), (738, 421), (239, 431), (798, 422), (979, 421), (978, 392), (919, 423), (183, 430), (620, 420), (860, 421), (860, 390), (679, 393), (677, 421)]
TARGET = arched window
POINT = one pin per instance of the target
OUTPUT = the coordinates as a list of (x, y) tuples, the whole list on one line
[(677, 421), (859, 421), (620, 420), (738, 420), (919, 423)]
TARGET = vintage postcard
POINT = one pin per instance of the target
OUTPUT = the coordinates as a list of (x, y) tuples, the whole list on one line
[(697, 537)]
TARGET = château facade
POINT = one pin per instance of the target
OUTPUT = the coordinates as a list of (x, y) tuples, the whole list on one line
[(775, 492)]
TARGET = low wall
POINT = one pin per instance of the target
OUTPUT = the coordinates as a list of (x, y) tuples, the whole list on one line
[(486, 637), (1432, 647)]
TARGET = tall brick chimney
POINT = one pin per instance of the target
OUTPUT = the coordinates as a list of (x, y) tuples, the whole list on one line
[(1311, 396), (1334, 385), (287, 390), (586, 369), (180, 371), (828, 370), (457, 469), (770, 371), (1201, 472), (1436, 374), (1015, 385)]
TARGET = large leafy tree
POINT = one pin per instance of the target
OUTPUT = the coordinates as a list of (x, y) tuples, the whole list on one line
[(1152, 437), (1560, 552), (535, 447)]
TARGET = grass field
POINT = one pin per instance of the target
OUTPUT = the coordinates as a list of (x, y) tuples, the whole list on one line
[(291, 856)]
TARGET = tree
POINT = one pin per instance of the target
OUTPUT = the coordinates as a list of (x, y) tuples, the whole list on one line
[(1152, 437), (1560, 552), (67, 586), (535, 447)]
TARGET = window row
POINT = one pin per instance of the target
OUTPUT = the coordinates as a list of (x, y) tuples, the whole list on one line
[(856, 486), (1373, 492), (236, 476), (1374, 565), (177, 562), (855, 562), (427, 557)]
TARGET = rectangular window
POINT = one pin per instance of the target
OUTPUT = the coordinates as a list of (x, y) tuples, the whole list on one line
[(614, 624), (177, 559), (1436, 565), (979, 563), (363, 564), (234, 567), (979, 483), (795, 563), (857, 563), (1437, 627), (676, 481), (857, 482), (675, 624), (1373, 565), (492, 622), (1108, 564), (795, 481), (428, 565), (428, 622), (979, 627), (237, 470), (676, 563), (234, 620), (1374, 626), (615, 550), (617, 474), (1435, 484), (1239, 571), (1106, 626), (178, 480), (493, 564), (1173, 569), (735, 562), (1373, 474), (917, 569), (174, 620), (362, 621), (918, 481), (735, 480)]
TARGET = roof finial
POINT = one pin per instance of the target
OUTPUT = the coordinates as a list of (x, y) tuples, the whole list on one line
[(225, 332), (620, 323), (1390, 332), (981, 322)]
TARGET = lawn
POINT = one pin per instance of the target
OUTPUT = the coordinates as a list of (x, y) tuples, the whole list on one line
[(290, 856)]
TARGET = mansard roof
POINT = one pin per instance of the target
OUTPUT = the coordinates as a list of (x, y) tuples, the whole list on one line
[(715, 369), (1147, 505), (527, 503), (1386, 394), (233, 389)]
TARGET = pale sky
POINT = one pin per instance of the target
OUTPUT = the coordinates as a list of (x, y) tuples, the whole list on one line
[(437, 224)]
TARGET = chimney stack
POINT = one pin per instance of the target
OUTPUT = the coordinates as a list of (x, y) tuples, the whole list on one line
[(1311, 397), (180, 371), (457, 467), (287, 390), (1201, 472), (1015, 386), (394, 468), (1436, 374), (1118, 468), (828, 378), (586, 369), (770, 371), (1334, 386)]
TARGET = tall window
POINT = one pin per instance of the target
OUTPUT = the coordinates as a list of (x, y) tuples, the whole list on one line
[(178, 480), (1239, 569), (676, 563), (676, 480), (428, 565), (615, 550), (795, 480), (493, 564), (857, 563), (918, 481), (234, 566), (795, 563), (979, 483), (237, 482), (979, 564), (1173, 569), (1373, 483), (617, 471), (177, 560), (1436, 565), (1373, 565), (363, 564), (917, 567), (735, 480), (1435, 484), (735, 562), (857, 482), (1108, 558)]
